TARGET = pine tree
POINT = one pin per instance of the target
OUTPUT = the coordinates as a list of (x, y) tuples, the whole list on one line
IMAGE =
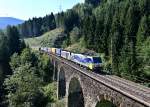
[(23, 87), (4, 54), (13, 39), (131, 28), (52, 22), (98, 40), (93, 2), (116, 34), (142, 45), (89, 25), (143, 31)]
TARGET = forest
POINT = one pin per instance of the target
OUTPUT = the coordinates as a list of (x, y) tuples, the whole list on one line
[(37, 26), (25, 75), (118, 30)]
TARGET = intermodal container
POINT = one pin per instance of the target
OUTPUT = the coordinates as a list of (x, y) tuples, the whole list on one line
[(53, 50), (58, 51)]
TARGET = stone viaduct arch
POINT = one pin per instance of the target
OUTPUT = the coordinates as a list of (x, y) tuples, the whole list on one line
[(71, 87), (56, 71), (105, 103), (61, 83), (75, 94), (92, 90)]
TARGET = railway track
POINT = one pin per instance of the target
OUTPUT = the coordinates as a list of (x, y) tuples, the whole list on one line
[(130, 89), (127, 82), (141, 93)]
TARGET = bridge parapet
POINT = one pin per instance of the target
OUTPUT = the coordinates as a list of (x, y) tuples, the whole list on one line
[(95, 87)]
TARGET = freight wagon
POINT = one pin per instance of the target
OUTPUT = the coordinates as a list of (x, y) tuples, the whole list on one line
[(93, 63)]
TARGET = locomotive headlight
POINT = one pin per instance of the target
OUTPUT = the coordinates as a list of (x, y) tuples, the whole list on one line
[(91, 66)]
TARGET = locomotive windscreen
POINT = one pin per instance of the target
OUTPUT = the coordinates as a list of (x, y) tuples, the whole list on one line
[(97, 60)]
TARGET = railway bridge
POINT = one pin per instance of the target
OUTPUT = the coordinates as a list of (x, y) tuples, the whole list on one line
[(82, 88)]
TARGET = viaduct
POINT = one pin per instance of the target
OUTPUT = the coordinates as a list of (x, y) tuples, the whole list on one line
[(82, 88)]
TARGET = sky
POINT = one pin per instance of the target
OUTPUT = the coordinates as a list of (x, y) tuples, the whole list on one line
[(25, 9)]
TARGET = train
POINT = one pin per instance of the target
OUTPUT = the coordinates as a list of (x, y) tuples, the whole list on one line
[(93, 63)]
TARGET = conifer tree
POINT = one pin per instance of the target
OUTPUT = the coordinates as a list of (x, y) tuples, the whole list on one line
[(13, 39)]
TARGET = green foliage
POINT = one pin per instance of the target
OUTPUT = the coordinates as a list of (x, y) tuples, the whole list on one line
[(48, 23), (27, 57), (50, 39), (13, 39), (50, 92), (82, 10), (31, 72), (37, 26), (89, 31), (1, 75), (143, 59), (71, 19), (105, 103), (93, 2), (119, 29), (4, 55), (24, 88), (45, 68), (60, 19), (15, 61), (143, 30), (143, 45), (116, 29), (9, 44), (75, 35), (79, 48)]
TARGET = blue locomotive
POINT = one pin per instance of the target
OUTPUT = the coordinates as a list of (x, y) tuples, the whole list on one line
[(91, 62)]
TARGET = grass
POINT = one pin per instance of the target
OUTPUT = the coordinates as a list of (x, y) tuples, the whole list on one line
[(48, 39), (79, 47)]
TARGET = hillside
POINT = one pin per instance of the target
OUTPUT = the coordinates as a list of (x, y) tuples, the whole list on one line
[(5, 21), (51, 39), (79, 48), (116, 29)]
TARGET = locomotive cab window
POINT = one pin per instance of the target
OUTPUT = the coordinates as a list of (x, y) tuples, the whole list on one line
[(97, 60)]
